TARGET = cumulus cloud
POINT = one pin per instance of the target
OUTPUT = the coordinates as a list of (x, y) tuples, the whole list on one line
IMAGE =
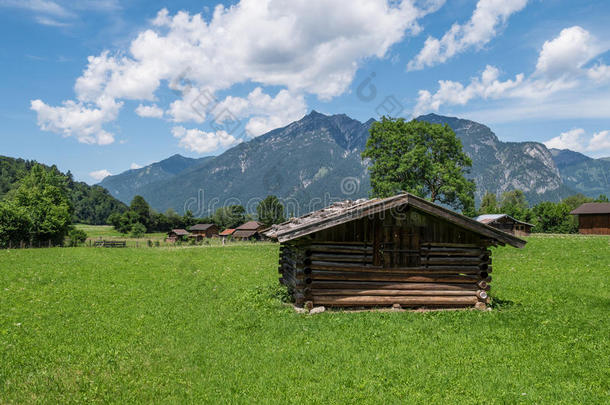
[(560, 66), (567, 53), (267, 112), (478, 31), (266, 42), (199, 141), (486, 86), (149, 111), (576, 139), (78, 119), (100, 175)]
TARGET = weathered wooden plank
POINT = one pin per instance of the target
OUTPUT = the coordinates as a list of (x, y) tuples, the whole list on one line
[(365, 292), (373, 300), (378, 285), (362, 276)]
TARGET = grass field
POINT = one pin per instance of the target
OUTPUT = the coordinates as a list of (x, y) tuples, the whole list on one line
[(207, 324)]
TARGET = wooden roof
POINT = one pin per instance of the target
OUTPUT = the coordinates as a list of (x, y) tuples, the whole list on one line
[(347, 211), (249, 226), (244, 234), (491, 218), (592, 208), (179, 232), (201, 227)]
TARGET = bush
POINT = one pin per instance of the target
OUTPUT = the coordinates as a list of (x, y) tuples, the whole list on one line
[(137, 230), (77, 237)]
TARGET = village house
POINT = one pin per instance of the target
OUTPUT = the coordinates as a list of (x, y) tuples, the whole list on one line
[(201, 231), (506, 223), (401, 251), (249, 230), (593, 218), (177, 234)]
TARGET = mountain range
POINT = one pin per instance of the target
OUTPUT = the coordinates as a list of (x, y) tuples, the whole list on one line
[(316, 160)]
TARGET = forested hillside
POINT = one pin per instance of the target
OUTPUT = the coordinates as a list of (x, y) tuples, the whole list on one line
[(92, 204)]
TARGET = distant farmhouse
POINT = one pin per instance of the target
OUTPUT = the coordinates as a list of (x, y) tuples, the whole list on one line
[(249, 230), (593, 218), (177, 234), (201, 231), (398, 251), (506, 223), (227, 232)]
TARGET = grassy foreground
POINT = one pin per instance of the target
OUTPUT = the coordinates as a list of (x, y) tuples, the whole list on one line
[(206, 324)]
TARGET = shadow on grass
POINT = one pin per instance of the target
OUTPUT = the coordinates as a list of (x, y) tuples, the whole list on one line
[(501, 304)]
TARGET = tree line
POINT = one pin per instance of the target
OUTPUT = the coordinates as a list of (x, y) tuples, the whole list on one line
[(547, 217), (140, 218)]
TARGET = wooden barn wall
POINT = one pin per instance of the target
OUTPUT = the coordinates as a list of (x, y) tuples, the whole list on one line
[(594, 224), (405, 257)]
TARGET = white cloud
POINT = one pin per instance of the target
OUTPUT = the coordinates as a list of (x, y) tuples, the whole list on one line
[(478, 31), (575, 139), (40, 6), (454, 93), (266, 42), (560, 67), (567, 53), (203, 142), (78, 119), (599, 73), (135, 166), (267, 112), (149, 111), (99, 175)]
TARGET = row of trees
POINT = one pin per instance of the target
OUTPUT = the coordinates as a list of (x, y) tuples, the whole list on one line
[(547, 217), (140, 218)]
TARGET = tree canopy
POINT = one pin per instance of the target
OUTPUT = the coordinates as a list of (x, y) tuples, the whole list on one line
[(420, 158), (270, 211)]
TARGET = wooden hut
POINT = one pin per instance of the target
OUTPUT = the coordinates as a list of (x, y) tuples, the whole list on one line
[(593, 218), (249, 230), (506, 223), (201, 231), (401, 250), (177, 234)]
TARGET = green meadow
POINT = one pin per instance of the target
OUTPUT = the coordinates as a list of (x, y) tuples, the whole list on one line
[(208, 324)]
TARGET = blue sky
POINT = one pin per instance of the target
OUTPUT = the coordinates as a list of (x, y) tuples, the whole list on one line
[(103, 86)]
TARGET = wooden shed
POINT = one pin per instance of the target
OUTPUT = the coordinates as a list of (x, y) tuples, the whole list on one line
[(201, 231), (401, 250), (177, 234), (593, 218), (249, 230), (506, 223)]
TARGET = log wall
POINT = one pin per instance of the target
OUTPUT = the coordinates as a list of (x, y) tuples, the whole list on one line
[(413, 260)]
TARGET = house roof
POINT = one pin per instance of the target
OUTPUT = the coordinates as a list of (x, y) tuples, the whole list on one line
[(227, 232), (489, 218), (244, 234), (249, 226), (592, 208), (201, 227), (179, 232), (347, 211)]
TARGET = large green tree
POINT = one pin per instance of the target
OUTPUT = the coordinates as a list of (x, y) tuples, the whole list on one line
[(489, 204), (43, 195), (270, 211), (421, 158), (229, 217), (549, 217), (515, 204)]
